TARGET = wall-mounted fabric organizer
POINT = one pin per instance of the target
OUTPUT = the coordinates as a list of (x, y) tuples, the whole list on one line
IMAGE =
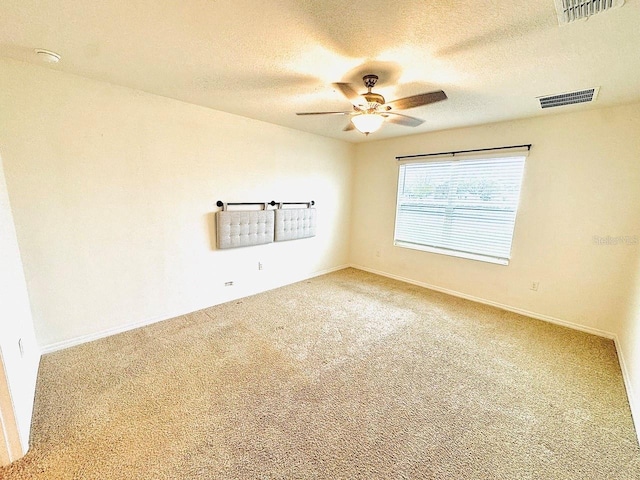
[(245, 228)]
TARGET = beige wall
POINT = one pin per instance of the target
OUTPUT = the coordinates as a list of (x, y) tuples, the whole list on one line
[(629, 348), (582, 179), (19, 354), (114, 192)]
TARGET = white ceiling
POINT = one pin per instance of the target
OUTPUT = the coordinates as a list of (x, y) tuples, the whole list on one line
[(267, 59)]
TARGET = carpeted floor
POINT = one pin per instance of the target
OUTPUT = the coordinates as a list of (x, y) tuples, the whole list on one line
[(344, 376)]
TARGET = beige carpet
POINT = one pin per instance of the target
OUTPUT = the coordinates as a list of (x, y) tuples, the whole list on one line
[(345, 376)]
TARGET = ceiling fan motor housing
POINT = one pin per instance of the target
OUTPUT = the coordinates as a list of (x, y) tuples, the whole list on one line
[(373, 100)]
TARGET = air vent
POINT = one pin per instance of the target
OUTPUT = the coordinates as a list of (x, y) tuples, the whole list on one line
[(572, 10), (569, 98)]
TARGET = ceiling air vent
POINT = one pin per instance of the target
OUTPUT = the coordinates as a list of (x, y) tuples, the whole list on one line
[(572, 10), (569, 98)]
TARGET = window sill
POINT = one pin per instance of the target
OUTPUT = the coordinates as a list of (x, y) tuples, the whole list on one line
[(453, 253)]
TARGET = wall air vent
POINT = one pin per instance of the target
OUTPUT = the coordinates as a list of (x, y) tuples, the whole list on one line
[(560, 100), (572, 10)]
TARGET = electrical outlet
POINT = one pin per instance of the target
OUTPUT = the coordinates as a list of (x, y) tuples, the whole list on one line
[(260, 266), (378, 253), (534, 286), (228, 284)]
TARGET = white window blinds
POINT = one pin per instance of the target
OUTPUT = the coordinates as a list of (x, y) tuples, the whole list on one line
[(463, 206)]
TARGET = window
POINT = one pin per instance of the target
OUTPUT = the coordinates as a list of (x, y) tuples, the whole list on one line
[(461, 205)]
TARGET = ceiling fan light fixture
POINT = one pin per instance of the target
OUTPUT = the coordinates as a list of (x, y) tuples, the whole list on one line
[(367, 122)]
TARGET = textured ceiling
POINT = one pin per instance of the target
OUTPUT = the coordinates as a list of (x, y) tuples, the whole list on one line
[(269, 59)]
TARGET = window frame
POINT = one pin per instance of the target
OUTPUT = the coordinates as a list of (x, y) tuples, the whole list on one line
[(480, 154)]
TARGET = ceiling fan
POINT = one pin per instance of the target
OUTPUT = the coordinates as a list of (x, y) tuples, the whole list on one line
[(370, 109)]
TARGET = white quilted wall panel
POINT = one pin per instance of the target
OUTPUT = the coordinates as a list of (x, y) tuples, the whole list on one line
[(295, 223), (244, 228)]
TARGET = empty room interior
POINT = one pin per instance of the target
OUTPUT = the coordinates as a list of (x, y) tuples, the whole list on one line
[(297, 239)]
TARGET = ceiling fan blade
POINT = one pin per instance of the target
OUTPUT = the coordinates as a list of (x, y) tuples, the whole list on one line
[(405, 120), (349, 127), (347, 91), (417, 100), (325, 113)]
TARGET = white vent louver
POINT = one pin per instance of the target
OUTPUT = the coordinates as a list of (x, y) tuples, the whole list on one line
[(572, 10), (569, 98)]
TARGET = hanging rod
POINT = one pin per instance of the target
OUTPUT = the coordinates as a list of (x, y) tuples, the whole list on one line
[(220, 203), (224, 205), (273, 203), (312, 202), (528, 145)]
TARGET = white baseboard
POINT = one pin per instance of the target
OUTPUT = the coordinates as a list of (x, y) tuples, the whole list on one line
[(502, 306), (72, 342), (634, 403), (125, 327)]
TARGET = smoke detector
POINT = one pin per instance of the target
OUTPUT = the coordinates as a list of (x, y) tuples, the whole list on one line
[(572, 10), (569, 98), (47, 55)]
